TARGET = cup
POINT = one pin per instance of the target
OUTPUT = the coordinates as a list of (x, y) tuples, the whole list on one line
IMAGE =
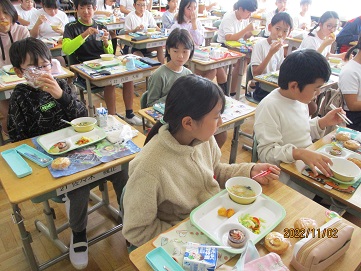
[(32, 75), (130, 65), (256, 24), (99, 35)]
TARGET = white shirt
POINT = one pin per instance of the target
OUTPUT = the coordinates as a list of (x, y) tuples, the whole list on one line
[(315, 42), (350, 80), (100, 6), (132, 20), (45, 29), (259, 53), (299, 20), (128, 4), (25, 14), (230, 25)]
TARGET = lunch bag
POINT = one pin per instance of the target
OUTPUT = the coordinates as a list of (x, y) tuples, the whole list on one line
[(322, 248)]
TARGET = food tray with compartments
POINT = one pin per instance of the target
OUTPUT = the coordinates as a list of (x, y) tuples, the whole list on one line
[(205, 217), (20, 167), (98, 64), (345, 153), (71, 137)]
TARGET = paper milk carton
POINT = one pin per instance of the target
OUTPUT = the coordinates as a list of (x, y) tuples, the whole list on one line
[(198, 258), (102, 116)]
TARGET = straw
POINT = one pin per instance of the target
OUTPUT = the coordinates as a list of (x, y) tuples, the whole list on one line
[(342, 116)]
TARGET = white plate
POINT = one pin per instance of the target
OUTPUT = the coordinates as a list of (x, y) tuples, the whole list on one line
[(205, 217), (70, 137), (7, 68)]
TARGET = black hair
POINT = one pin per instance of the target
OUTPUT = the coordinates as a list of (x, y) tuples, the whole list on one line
[(176, 37), (182, 6), (250, 5), (306, 2), (50, 4), (282, 17), (83, 3), (135, 1), (105, 6), (191, 95), (167, 6), (8, 8), (327, 15), (305, 67), (353, 48), (33, 47)]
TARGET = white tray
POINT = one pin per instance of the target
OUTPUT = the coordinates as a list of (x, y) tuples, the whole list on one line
[(101, 63), (345, 153), (70, 137), (205, 217)]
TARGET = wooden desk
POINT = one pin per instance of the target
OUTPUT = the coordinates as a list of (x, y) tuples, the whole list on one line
[(57, 50), (352, 201), (296, 206), (142, 44), (208, 21), (109, 80), (208, 35), (292, 43), (232, 124), (41, 182), (214, 64), (119, 24)]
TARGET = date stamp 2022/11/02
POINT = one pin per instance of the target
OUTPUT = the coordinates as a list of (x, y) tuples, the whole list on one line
[(314, 233)]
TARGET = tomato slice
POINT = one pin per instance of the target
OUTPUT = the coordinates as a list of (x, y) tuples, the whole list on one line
[(257, 223)]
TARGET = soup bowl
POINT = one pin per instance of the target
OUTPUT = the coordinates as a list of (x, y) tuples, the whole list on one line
[(248, 183), (84, 124)]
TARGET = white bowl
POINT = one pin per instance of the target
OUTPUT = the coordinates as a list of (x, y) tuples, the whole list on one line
[(344, 170), (255, 32), (107, 57), (255, 186), (215, 44), (151, 29), (89, 121)]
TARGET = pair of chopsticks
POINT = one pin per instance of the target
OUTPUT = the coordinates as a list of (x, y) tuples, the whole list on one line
[(342, 116), (262, 174)]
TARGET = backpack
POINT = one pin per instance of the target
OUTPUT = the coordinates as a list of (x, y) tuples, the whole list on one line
[(331, 96)]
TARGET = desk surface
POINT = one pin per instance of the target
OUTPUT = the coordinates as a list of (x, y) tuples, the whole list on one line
[(296, 206), (67, 74), (41, 181), (129, 39), (351, 200)]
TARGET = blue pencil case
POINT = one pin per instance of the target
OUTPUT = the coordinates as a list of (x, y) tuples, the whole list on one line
[(20, 167), (34, 155), (160, 260), (160, 107)]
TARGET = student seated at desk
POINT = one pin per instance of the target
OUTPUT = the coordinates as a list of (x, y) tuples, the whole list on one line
[(302, 20), (348, 33), (188, 19), (80, 41), (268, 54), (281, 7), (138, 21), (350, 86), (10, 32), (322, 39), (36, 108), (234, 26), (179, 167), (25, 11), (168, 18), (127, 6), (282, 125)]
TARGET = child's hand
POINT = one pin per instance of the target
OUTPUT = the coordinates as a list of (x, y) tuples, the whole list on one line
[(331, 118), (41, 19), (260, 167), (48, 84), (90, 31), (250, 27), (329, 39), (313, 160), (194, 17), (275, 47), (106, 35)]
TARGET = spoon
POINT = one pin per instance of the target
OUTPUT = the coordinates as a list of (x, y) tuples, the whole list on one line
[(33, 155), (68, 122)]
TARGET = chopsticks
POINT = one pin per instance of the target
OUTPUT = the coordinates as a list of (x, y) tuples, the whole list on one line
[(262, 174), (342, 116)]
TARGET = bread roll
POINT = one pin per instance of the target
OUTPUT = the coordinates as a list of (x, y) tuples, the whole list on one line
[(351, 145), (343, 136), (356, 161), (61, 163), (275, 242), (305, 223)]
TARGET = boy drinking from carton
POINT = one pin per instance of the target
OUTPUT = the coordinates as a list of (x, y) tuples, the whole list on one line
[(282, 126), (268, 53)]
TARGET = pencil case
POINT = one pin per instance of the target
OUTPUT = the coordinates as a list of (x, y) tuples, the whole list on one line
[(18, 165), (160, 260), (34, 155), (322, 247)]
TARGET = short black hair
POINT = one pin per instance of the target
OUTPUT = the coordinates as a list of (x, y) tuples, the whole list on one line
[(306, 2), (282, 17), (305, 67), (8, 7), (250, 5), (50, 4), (33, 47), (83, 3), (179, 36)]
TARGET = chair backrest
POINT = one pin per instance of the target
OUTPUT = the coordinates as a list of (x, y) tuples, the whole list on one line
[(330, 96), (249, 77), (214, 38), (143, 100), (217, 23), (254, 157)]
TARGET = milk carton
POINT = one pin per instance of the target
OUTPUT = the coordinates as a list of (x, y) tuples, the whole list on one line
[(102, 116), (200, 258)]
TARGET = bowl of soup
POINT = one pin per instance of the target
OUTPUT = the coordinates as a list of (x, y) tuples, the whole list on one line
[(243, 190), (84, 124)]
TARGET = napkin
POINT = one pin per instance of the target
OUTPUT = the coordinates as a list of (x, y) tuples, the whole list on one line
[(117, 132)]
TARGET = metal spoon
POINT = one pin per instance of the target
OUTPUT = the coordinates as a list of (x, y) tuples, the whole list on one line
[(68, 122), (33, 155)]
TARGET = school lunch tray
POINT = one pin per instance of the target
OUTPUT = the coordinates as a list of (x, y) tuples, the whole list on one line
[(70, 136), (345, 153), (98, 64), (205, 217)]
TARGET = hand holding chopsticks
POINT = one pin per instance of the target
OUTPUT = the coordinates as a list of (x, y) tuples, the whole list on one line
[(342, 116), (262, 174)]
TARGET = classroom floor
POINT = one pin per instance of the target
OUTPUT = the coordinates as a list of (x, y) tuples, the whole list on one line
[(108, 254)]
